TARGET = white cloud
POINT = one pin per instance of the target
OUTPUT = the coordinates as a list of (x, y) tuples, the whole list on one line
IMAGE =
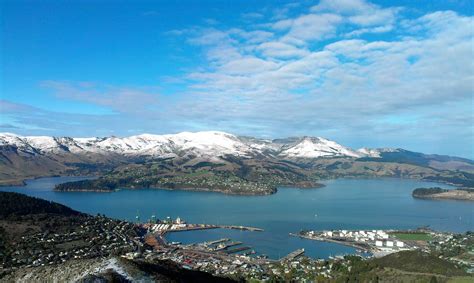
[(281, 50), (310, 27), (359, 12), (247, 65), (378, 29)]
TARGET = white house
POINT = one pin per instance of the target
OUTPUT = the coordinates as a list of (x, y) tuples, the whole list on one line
[(400, 244)]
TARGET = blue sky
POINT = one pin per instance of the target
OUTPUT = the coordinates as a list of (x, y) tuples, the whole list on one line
[(376, 74)]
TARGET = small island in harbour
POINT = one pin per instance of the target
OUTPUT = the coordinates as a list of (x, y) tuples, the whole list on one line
[(439, 193)]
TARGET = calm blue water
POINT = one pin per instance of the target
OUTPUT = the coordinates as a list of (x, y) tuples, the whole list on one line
[(342, 204)]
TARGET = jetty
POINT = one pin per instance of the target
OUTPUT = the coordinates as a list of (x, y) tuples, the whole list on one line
[(164, 228), (225, 246), (358, 245), (216, 241), (245, 228), (236, 250), (293, 254)]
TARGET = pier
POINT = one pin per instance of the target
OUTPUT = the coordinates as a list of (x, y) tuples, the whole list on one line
[(164, 228), (362, 246), (216, 241), (293, 254), (236, 250), (223, 247), (245, 228)]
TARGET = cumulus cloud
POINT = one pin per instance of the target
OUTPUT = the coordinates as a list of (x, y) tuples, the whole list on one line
[(277, 49), (310, 27), (359, 12)]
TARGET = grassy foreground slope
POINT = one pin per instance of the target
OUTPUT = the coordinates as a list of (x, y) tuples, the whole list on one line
[(406, 266)]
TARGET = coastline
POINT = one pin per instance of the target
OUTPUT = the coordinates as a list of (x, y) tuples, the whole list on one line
[(458, 195), (23, 182)]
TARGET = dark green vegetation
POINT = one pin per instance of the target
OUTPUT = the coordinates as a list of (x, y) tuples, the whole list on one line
[(17, 205), (405, 266), (170, 271), (420, 262), (428, 191), (415, 236)]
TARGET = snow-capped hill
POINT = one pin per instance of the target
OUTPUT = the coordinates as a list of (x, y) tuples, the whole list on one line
[(314, 147), (369, 152), (9, 138), (376, 152), (27, 144), (200, 144), (208, 144)]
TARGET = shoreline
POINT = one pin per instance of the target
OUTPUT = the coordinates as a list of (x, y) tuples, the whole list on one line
[(455, 195), (361, 247), (21, 182), (226, 192)]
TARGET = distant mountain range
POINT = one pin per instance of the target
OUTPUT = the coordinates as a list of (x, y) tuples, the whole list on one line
[(287, 161), (206, 144)]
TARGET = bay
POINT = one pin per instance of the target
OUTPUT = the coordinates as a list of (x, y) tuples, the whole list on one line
[(341, 204)]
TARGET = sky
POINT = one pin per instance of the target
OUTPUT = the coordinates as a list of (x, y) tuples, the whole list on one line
[(365, 74)]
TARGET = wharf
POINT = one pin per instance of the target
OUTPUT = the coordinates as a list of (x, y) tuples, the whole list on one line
[(216, 241), (191, 227), (236, 250), (228, 246), (352, 244), (293, 254), (246, 228)]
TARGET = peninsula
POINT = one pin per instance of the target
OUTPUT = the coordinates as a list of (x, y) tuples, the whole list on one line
[(439, 193)]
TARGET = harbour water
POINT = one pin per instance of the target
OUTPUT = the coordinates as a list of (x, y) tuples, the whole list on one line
[(341, 204)]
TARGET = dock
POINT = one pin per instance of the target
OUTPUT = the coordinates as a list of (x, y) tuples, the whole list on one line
[(216, 241), (236, 250), (223, 247), (245, 228), (362, 246), (165, 228), (293, 254)]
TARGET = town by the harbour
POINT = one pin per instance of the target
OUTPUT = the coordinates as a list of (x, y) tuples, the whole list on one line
[(33, 248), (232, 259), (227, 257)]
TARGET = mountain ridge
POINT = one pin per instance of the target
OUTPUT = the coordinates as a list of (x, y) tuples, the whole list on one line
[(206, 143), (215, 161)]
